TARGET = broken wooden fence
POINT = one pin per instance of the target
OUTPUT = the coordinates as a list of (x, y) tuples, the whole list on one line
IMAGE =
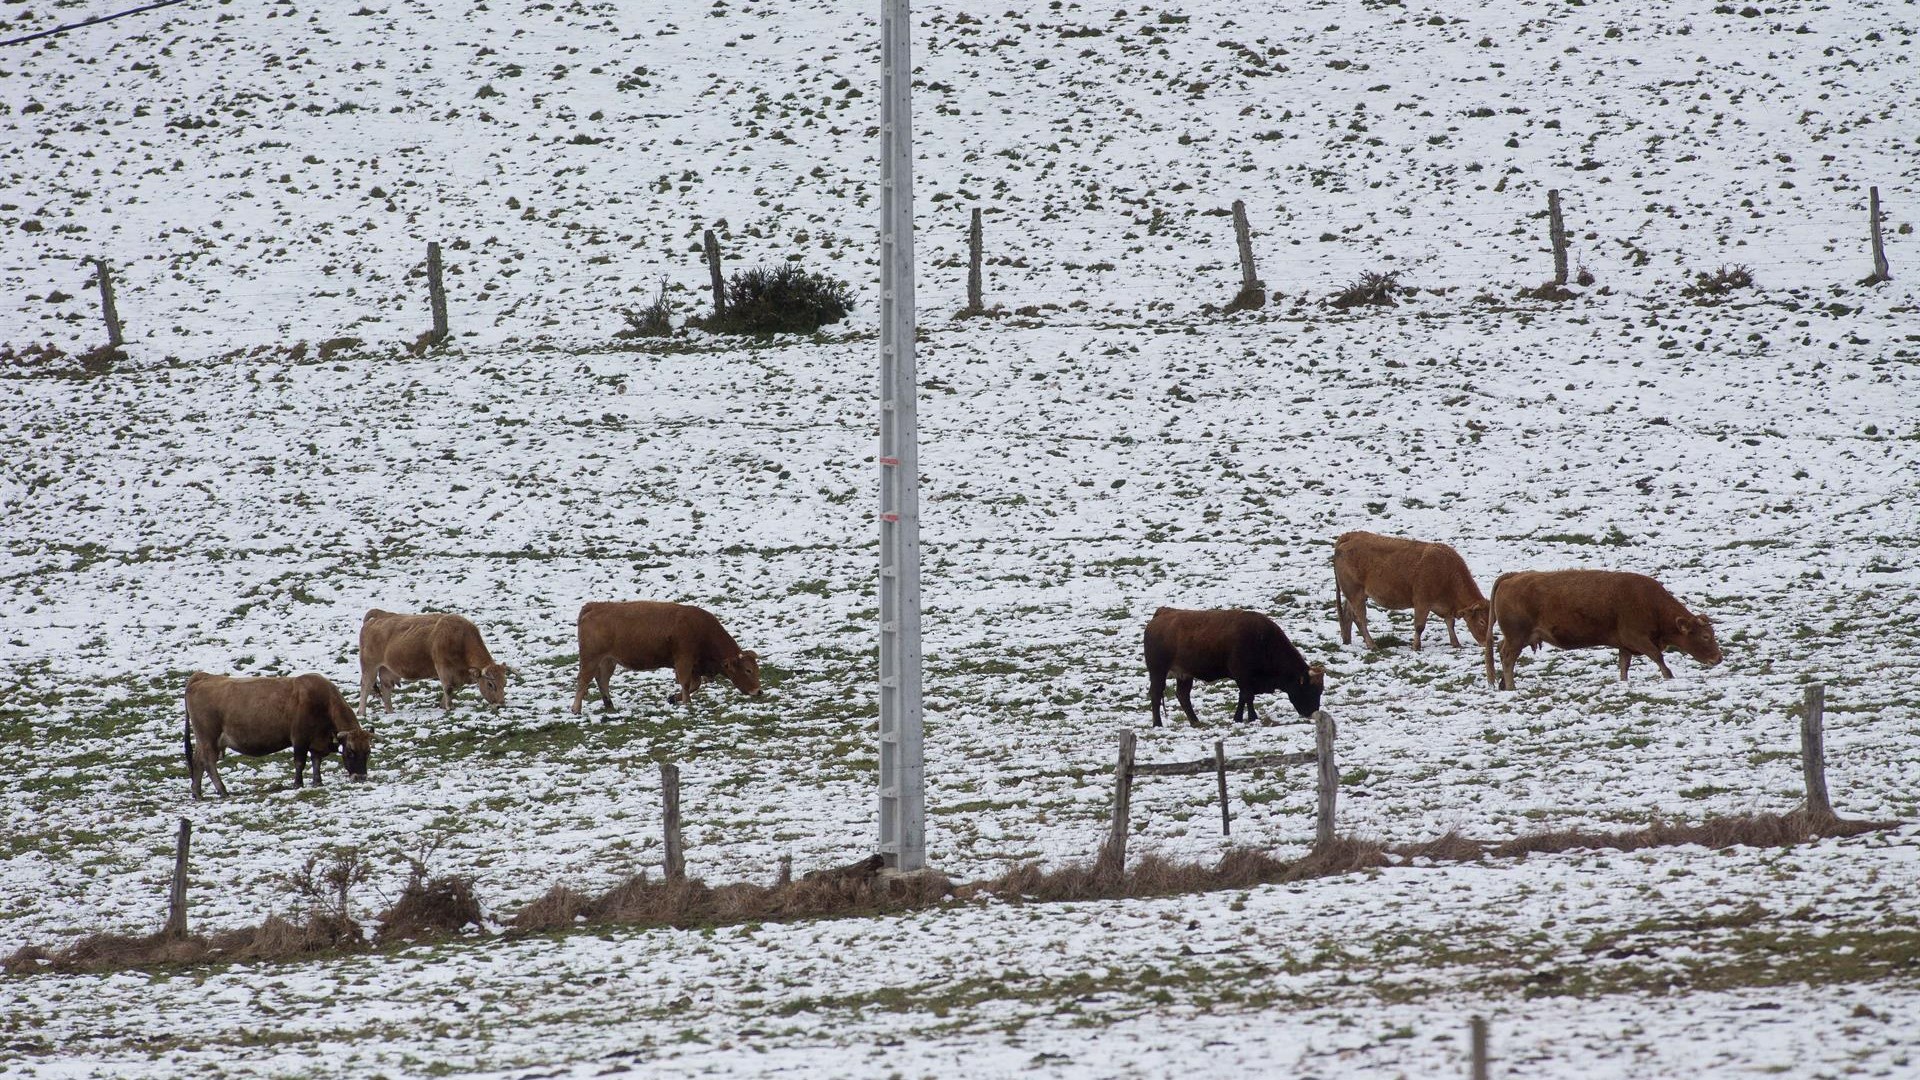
[(1113, 855)]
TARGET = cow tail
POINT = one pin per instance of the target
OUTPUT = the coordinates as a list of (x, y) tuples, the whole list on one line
[(1493, 622), (187, 736)]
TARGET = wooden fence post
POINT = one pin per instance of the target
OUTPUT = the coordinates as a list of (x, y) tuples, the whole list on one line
[(177, 899), (786, 869), (719, 283), (1479, 1040), (1329, 777), (670, 793), (1112, 864), (436, 293), (1880, 273), (1813, 752), (115, 338), (1253, 295), (1558, 227), (974, 304), (1220, 771)]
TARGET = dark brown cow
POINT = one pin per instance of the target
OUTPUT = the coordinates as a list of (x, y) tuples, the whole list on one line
[(430, 646), (1593, 609), (1244, 646), (1398, 574), (641, 635), (265, 716)]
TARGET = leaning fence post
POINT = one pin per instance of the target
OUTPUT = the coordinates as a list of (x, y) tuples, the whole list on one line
[(1558, 228), (1252, 295), (1220, 771), (1329, 777), (436, 293), (1880, 273), (1478, 1028), (1112, 863), (107, 309), (712, 245), (1813, 752), (670, 793), (177, 898)]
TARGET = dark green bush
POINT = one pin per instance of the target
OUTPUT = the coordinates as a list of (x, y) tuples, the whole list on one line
[(782, 300)]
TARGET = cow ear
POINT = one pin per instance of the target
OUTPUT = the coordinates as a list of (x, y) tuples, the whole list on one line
[(750, 655), (1684, 624), (1317, 675)]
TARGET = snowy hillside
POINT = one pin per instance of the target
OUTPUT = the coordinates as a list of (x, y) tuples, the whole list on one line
[(273, 174), (268, 175)]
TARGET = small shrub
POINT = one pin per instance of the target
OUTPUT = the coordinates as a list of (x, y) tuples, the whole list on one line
[(1370, 288), (1707, 287), (654, 320), (783, 300)]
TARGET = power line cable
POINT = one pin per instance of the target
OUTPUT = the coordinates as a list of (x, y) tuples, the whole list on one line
[(89, 22)]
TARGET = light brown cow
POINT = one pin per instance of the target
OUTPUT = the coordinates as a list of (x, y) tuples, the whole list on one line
[(1398, 574), (268, 715), (1593, 609), (642, 635), (430, 646)]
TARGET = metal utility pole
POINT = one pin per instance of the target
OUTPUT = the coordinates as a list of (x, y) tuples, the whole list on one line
[(903, 810)]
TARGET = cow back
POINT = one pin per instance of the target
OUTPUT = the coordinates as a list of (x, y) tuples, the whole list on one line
[(646, 634)]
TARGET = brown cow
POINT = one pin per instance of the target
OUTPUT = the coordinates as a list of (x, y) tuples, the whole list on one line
[(430, 646), (1398, 574), (266, 716), (1593, 609), (641, 635), (1244, 646)]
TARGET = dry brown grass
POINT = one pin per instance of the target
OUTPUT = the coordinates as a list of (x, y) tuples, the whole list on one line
[(1746, 830), (1153, 875), (430, 908), (641, 901), (274, 939), (1448, 847)]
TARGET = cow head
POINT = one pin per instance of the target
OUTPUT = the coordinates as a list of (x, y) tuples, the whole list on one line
[(1476, 618), (1694, 636), (743, 671), (1305, 694), (355, 747), (492, 681)]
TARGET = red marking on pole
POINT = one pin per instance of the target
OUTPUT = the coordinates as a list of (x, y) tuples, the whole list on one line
[(889, 517), (889, 461)]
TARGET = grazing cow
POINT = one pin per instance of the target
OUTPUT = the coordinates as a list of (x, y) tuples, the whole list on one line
[(1244, 646), (265, 716), (1398, 574), (431, 646), (1592, 609), (641, 635)]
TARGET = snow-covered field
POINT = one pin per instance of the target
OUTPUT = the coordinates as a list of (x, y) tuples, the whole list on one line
[(1082, 465)]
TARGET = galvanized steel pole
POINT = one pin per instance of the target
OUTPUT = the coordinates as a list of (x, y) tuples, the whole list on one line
[(902, 763)]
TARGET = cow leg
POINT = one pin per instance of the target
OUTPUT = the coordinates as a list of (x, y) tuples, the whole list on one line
[(1510, 649), (688, 680), (1358, 607), (580, 685), (1660, 659), (1252, 716), (318, 757), (300, 767), (1626, 661), (206, 756), (366, 688), (446, 692), (602, 675), (1156, 691), (193, 770), (1340, 610), (385, 680), (1419, 625), (1183, 689), (1453, 639)]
